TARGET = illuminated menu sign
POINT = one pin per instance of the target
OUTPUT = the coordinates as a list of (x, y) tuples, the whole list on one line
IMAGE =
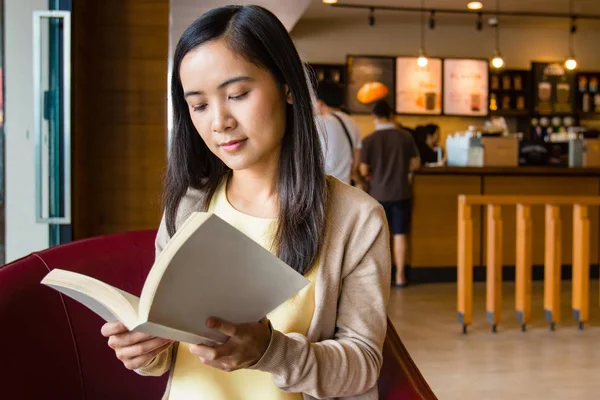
[(418, 89), (466, 87)]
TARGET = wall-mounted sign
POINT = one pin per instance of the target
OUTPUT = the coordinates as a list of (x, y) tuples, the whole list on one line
[(369, 79), (418, 89), (554, 88), (465, 87)]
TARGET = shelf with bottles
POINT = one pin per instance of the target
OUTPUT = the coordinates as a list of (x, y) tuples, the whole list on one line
[(509, 92), (587, 99), (330, 72)]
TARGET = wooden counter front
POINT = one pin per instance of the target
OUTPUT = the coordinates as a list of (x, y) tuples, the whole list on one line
[(433, 241)]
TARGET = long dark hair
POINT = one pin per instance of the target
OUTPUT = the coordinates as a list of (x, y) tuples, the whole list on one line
[(259, 37)]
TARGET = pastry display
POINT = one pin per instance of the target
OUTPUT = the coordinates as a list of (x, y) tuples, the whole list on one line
[(371, 92)]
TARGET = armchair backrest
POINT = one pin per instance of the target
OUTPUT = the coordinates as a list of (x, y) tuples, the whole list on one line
[(54, 345)]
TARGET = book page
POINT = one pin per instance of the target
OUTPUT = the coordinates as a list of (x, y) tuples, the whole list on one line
[(191, 224), (88, 301), (220, 272), (105, 300), (174, 334)]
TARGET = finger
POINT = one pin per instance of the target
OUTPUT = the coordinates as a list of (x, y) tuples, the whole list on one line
[(227, 364), (113, 328), (227, 328), (145, 359), (141, 348), (127, 339), (210, 353)]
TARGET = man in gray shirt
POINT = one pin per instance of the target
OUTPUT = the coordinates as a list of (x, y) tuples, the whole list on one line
[(389, 155)]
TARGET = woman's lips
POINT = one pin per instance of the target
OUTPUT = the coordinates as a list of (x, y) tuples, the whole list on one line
[(233, 145)]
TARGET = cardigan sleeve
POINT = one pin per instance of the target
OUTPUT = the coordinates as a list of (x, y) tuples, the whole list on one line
[(348, 364), (159, 364)]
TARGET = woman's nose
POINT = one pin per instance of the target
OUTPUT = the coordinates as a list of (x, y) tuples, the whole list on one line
[(223, 121)]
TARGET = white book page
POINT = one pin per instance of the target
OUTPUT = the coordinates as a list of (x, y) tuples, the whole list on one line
[(220, 272)]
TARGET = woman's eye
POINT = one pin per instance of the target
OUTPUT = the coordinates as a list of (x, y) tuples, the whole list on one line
[(239, 97), (201, 107)]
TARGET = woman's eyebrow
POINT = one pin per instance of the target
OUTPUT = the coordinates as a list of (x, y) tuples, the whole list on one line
[(221, 86)]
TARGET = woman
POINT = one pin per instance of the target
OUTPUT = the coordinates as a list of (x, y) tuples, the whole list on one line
[(427, 144), (245, 147)]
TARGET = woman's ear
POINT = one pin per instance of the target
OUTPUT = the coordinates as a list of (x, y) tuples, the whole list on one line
[(288, 94)]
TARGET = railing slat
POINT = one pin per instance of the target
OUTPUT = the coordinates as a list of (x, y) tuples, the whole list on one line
[(465, 265), (552, 265), (523, 266), (581, 264), (494, 265)]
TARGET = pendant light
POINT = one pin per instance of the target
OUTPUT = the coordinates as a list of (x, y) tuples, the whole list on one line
[(497, 61), (571, 62), (422, 61)]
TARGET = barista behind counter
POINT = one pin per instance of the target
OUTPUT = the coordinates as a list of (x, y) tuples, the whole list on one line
[(426, 138)]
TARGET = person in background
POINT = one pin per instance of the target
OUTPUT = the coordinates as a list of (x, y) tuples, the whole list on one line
[(427, 138), (389, 156), (340, 140)]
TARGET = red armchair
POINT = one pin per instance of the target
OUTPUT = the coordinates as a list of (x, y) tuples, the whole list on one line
[(53, 347)]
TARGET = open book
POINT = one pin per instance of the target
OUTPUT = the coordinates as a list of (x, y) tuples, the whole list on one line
[(207, 269)]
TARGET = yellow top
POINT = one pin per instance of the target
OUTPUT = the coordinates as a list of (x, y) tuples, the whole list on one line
[(194, 380)]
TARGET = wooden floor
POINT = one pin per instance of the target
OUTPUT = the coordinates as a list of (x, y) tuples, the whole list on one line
[(538, 364)]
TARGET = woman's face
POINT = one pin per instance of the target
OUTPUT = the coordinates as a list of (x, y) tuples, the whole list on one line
[(238, 109), (433, 139)]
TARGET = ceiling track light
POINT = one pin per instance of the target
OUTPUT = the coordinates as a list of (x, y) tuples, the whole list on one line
[(475, 5), (457, 11), (432, 20), (479, 23), (372, 17)]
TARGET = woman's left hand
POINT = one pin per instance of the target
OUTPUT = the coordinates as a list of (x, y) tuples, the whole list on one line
[(246, 345)]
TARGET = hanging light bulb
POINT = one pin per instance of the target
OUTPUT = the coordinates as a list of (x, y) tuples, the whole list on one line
[(422, 61), (571, 63), (330, 1), (497, 61)]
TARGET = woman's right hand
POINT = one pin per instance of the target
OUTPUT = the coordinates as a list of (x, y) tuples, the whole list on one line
[(134, 349)]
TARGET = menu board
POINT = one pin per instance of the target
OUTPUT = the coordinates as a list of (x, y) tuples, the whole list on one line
[(369, 79), (553, 88), (418, 89), (465, 87)]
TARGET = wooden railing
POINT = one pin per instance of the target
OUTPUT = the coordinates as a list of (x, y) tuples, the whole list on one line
[(523, 275)]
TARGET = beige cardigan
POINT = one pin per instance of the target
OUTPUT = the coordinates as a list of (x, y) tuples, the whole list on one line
[(341, 355)]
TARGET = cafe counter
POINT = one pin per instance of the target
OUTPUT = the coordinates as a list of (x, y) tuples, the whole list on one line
[(433, 240)]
